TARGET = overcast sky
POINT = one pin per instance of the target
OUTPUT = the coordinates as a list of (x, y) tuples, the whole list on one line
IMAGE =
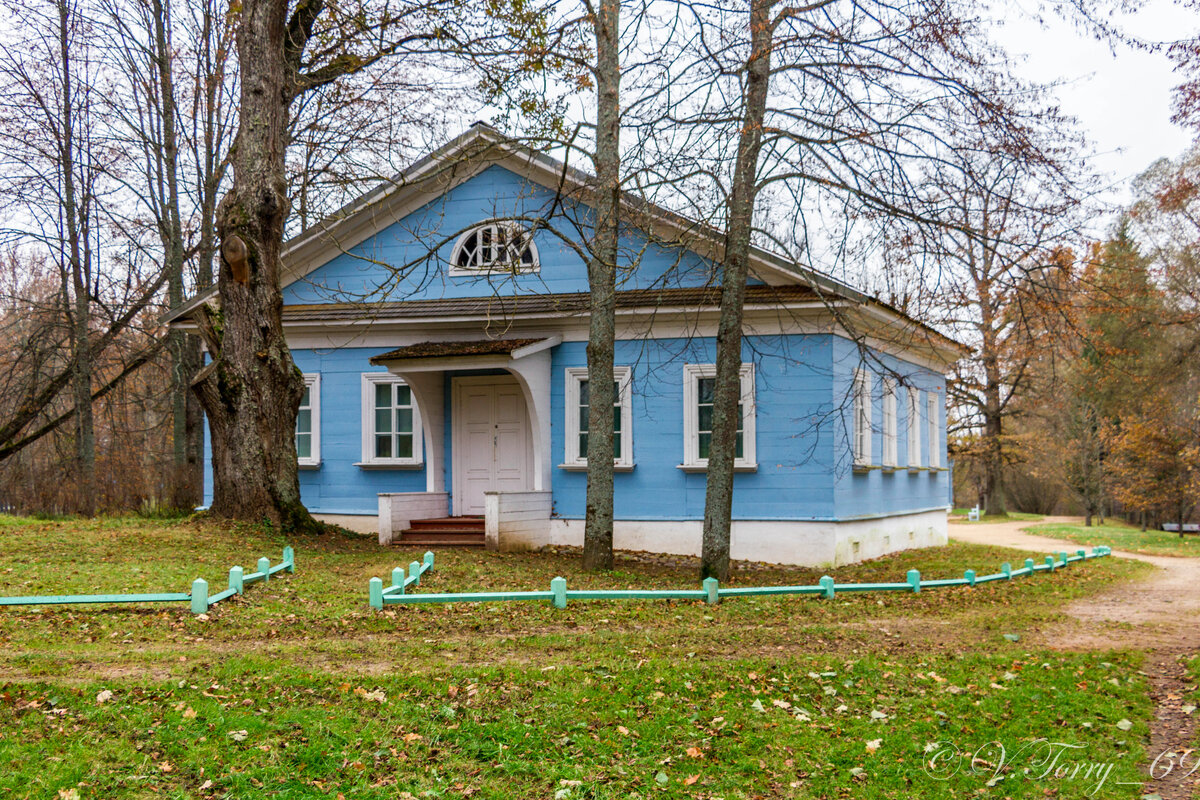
[(1122, 97)]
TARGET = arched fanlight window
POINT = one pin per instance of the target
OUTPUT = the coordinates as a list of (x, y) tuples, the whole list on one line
[(495, 247)]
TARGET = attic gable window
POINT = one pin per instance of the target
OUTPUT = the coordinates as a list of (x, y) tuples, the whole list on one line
[(494, 247)]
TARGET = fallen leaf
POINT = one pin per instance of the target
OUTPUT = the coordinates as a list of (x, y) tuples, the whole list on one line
[(874, 745), (239, 736), (695, 752), (690, 779), (104, 696)]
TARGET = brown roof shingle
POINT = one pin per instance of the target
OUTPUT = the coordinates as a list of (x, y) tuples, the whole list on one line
[(483, 347), (567, 304)]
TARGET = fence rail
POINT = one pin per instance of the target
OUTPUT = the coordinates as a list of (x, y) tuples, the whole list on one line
[(711, 591), (199, 598)]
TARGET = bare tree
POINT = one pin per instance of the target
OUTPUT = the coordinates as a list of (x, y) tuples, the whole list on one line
[(251, 390)]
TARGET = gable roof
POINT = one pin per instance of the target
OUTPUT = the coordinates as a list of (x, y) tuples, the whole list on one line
[(482, 146)]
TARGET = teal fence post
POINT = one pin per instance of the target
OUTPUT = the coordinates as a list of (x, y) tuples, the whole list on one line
[(1050, 562), (710, 588), (264, 566), (1082, 554), (826, 583), (914, 580), (375, 592), (414, 571), (1029, 565), (398, 579), (1006, 568), (1062, 556), (559, 587), (235, 580), (428, 559), (970, 576), (199, 596), (289, 558)]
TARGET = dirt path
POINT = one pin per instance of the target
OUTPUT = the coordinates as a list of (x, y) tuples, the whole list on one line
[(1160, 614)]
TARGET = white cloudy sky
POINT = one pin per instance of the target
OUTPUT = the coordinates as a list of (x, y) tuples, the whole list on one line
[(1122, 96)]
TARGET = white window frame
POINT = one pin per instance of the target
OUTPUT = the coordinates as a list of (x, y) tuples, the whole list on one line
[(913, 428), (312, 381), (692, 373), (572, 458), (932, 403), (369, 381), (891, 424), (861, 433), (487, 269)]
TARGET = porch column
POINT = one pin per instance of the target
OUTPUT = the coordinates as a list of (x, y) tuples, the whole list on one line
[(533, 374), (429, 390)]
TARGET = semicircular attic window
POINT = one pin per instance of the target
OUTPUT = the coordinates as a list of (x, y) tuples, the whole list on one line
[(503, 247)]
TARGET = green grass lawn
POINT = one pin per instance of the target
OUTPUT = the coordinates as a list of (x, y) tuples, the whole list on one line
[(299, 689), (959, 515), (1124, 537)]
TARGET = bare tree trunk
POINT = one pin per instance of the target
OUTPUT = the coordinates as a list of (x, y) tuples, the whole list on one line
[(602, 278), (74, 208), (718, 499), (184, 349), (251, 391)]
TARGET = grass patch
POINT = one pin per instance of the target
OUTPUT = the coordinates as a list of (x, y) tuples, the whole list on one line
[(756, 697), (635, 726), (1120, 536), (959, 515)]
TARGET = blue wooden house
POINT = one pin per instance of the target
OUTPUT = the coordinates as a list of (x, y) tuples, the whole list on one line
[(441, 323)]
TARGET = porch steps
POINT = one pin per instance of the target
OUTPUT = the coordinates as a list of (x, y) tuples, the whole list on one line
[(443, 532)]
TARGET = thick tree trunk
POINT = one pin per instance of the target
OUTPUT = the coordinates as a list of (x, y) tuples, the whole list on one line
[(251, 391), (718, 499), (602, 278)]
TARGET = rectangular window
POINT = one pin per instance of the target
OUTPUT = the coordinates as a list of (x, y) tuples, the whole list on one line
[(862, 418), (913, 427), (935, 430), (890, 426), (391, 422), (577, 410), (308, 423), (699, 393)]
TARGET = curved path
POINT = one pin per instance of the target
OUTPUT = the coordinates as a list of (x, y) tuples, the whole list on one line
[(1159, 614)]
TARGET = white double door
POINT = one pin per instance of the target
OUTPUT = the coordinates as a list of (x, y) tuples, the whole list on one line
[(490, 440)]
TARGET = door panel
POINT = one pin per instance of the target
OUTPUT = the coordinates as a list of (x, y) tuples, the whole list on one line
[(491, 442), (511, 438)]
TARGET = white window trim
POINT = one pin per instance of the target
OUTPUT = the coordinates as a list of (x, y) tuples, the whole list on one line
[(861, 433), (572, 458), (935, 434), (495, 225), (691, 422), (914, 428), (369, 381), (891, 426), (313, 381)]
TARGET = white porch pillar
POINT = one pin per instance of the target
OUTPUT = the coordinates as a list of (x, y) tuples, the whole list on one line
[(429, 390), (532, 372)]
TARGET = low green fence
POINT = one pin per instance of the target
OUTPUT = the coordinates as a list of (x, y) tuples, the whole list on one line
[(199, 598), (379, 595), (710, 591)]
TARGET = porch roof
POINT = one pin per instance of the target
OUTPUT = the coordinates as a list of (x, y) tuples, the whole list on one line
[(482, 347)]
